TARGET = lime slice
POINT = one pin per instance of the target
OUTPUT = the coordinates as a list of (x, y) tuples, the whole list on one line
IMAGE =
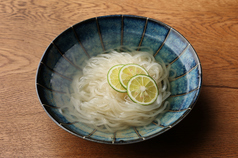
[(142, 89), (128, 71), (113, 80)]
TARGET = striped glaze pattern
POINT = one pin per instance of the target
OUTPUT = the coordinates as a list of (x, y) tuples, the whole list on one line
[(67, 53)]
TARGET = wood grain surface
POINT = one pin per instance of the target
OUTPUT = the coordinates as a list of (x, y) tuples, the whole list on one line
[(28, 27)]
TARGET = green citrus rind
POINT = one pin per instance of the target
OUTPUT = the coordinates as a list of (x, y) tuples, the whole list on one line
[(124, 82), (154, 87), (118, 88)]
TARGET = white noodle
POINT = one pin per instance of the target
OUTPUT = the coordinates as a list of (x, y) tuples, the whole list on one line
[(96, 104)]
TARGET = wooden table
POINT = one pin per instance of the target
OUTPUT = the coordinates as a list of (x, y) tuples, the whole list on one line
[(27, 28)]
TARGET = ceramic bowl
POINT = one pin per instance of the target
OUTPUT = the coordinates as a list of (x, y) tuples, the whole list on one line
[(66, 54)]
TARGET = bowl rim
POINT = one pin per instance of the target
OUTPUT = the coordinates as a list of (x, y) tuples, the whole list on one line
[(127, 141)]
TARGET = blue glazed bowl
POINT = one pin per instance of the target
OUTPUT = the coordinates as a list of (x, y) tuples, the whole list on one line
[(65, 57)]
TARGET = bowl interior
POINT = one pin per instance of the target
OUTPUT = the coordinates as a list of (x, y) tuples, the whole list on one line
[(67, 54)]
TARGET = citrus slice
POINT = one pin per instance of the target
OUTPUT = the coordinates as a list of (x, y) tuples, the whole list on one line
[(113, 80), (142, 89), (128, 71)]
